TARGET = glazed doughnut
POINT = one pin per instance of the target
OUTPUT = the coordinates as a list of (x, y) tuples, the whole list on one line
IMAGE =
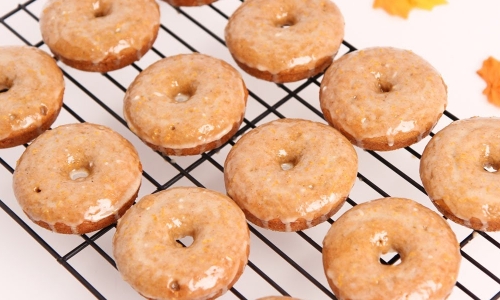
[(382, 98), (99, 35), (186, 104), (155, 265), (304, 171), (429, 251), (459, 172), (31, 93), (77, 178), (189, 2), (285, 40)]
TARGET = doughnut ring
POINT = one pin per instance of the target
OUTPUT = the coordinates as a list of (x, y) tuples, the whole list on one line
[(290, 174), (77, 178), (382, 98), (459, 168), (31, 93), (429, 251), (153, 263), (285, 40), (99, 35)]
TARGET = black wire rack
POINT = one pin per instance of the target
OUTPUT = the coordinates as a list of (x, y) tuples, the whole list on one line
[(280, 263)]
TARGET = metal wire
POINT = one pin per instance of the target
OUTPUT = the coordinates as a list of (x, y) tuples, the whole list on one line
[(207, 158)]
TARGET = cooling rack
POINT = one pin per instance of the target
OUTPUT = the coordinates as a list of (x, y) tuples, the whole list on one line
[(280, 263)]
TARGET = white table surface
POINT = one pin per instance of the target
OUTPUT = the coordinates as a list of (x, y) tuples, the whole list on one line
[(455, 38)]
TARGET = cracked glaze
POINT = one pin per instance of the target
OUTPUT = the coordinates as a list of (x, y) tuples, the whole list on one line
[(150, 259)]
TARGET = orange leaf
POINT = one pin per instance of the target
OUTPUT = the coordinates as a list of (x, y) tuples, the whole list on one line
[(394, 7), (427, 4), (490, 72), (402, 7)]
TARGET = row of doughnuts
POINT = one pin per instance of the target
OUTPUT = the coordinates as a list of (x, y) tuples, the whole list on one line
[(149, 230), (284, 163), (378, 107)]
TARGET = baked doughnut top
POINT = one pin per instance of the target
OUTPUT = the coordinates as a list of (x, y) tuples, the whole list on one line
[(150, 259), (99, 35), (459, 170), (186, 104), (274, 40), (72, 177), (32, 88), (429, 251), (382, 98), (290, 174)]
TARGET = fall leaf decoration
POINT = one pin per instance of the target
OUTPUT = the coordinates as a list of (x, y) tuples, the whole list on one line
[(402, 7), (490, 72)]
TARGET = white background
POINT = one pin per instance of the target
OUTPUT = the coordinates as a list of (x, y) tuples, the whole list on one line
[(455, 38)]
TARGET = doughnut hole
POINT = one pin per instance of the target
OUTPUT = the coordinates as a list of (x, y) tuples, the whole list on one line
[(288, 162), (182, 236), (290, 155), (286, 22), (386, 251), (490, 161), (390, 258), (101, 8), (187, 240), (384, 86), (485, 156), (381, 84), (182, 97), (285, 19), (78, 169), (5, 85), (491, 167), (77, 174), (182, 92)]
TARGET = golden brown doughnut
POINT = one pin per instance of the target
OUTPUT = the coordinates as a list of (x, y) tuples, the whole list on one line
[(382, 98), (290, 174), (77, 178), (155, 265), (186, 104), (31, 94), (429, 250), (459, 172), (285, 40), (99, 35)]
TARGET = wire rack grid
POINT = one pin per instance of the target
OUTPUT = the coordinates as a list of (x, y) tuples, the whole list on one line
[(280, 263)]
